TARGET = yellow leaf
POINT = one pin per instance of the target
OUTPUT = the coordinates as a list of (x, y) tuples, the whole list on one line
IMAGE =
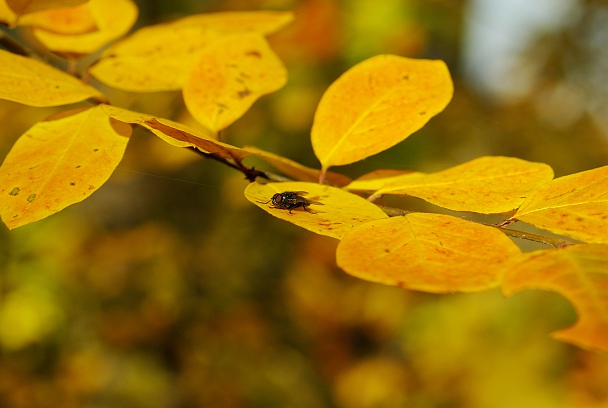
[(296, 170), (126, 115), (33, 83), (574, 205), (156, 58), (427, 252), (177, 134), (381, 174), (58, 163), (112, 18), (7, 16), (160, 57), (260, 22), (339, 213), (580, 274), (72, 20), (373, 184), (375, 105), (229, 77), (31, 6), (484, 185)]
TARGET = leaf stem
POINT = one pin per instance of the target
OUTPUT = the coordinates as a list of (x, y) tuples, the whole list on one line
[(322, 175)]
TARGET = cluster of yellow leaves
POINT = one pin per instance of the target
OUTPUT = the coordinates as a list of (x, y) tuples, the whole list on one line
[(222, 64), (221, 61), (66, 158), (382, 101)]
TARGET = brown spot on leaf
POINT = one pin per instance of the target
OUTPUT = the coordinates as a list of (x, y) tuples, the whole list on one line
[(244, 93), (254, 54)]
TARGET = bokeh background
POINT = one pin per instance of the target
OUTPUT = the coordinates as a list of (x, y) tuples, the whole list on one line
[(167, 288)]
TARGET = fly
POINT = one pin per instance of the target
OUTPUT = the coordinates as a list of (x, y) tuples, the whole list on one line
[(290, 200)]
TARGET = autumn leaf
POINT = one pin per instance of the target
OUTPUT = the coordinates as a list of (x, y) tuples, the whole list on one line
[(371, 184), (260, 22), (177, 134), (484, 185), (379, 174), (155, 58), (427, 252), (296, 170), (7, 16), (230, 75), (160, 57), (66, 21), (58, 163), (31, 6), (375, 105), (33, 83), (113, 19), (574, 205), (337, 214), (580, 274)]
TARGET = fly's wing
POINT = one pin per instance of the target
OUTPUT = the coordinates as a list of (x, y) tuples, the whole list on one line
[(313, 202), (306, 200)]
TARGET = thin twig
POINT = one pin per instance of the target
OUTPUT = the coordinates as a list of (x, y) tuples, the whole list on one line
[(250, 173), (11, 45)]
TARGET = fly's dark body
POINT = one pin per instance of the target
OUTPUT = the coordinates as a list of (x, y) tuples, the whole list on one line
[(290, 200)]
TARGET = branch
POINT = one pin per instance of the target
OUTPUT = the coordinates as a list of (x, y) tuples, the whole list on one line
[(251, 173), (12, 44)]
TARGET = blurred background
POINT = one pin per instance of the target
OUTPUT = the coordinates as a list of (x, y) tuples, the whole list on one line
[(167, 288)]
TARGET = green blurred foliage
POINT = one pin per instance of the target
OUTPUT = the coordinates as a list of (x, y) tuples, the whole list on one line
[(167, 289)]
